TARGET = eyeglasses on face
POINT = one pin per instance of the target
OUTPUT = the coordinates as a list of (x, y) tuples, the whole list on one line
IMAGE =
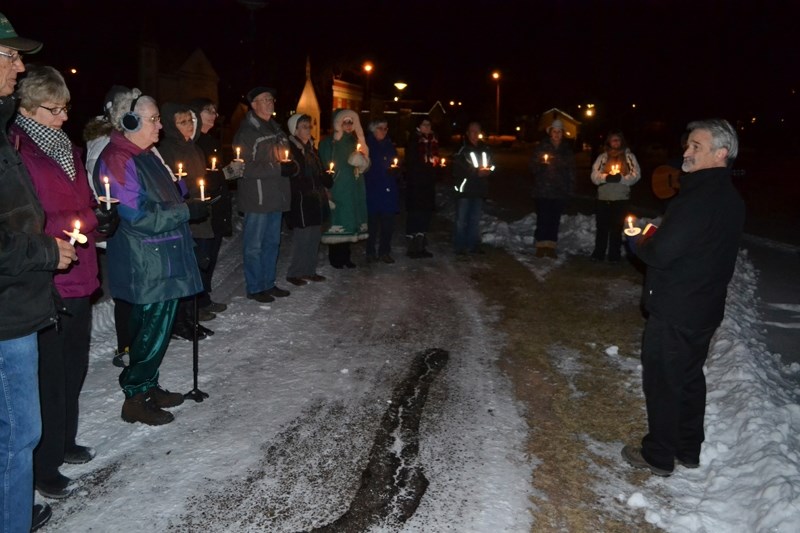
[(153, 119), (58, 110), (14, 56)]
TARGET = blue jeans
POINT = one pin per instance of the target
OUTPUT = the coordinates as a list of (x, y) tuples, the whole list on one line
[(468, 218), (20, 428), (261, 241)]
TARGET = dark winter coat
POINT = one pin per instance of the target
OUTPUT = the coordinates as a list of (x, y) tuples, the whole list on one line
[(691, 256), (64, 201), (217, 185), (174, 148), (262, 189), (381, 178), (553, 176), (309, 197), (150, 256), (420, 175), (468, 183), (28, 256)]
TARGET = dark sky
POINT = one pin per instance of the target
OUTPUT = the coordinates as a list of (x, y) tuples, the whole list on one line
[(674, 59)]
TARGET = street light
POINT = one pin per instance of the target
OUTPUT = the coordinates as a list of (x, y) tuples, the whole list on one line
[(496, 77), (400, 85), (368, 97)]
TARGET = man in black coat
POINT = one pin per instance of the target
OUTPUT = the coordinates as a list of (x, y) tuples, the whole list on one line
[(28, 258), (690, 260)]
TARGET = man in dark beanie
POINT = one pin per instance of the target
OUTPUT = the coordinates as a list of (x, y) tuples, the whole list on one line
[(28, 258), (264, 193)]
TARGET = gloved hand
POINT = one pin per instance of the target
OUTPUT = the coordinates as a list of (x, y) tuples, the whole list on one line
[(613, 178), (198, 209), (107, 219), (288, 169), (233, 170)]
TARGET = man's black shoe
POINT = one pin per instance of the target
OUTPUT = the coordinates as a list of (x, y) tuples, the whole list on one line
[(58, 488), (277, 292), (215, 307), (78, 455), (263, 297), (41, 514), (204, 330), (633, 456)]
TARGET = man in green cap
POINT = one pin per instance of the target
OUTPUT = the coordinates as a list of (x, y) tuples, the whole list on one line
[(28, 258)]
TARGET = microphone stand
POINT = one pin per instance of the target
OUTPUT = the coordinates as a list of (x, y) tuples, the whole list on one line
[(195, 394)]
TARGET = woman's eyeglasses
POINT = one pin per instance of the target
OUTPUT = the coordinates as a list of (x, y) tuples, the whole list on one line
[(56, 110)]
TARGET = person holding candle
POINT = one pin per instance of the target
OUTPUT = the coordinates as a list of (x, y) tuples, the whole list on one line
[(421, 159), (62, 186), (690, 260), (28, 258), (349, 211), (309, 209), (472, 165), (264, 193), (553, 167), (383, 198), (614, 172), (151, 262), (179, 149)]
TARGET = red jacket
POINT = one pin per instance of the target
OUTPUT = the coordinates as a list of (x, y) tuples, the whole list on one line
[(64, 201)]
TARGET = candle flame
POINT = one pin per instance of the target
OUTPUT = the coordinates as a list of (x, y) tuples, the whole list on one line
[(77, 225), (105, 180)]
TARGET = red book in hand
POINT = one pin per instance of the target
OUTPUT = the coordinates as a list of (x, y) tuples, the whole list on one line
[(649, 229)]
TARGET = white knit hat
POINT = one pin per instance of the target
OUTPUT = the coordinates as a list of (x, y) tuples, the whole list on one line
[(557, 124), (292, 123)]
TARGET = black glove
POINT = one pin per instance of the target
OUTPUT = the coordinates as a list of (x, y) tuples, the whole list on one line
[(288, 169), (198, 209), (613, 178), (107, 219)]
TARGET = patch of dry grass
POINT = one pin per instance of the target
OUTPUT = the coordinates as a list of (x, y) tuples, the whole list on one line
[(580, 309)]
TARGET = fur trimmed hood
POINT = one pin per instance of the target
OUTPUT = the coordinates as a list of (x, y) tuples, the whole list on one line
[(339, 117)]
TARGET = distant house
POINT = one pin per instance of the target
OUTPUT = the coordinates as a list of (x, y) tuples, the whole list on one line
[(571, 124), (172, 76)]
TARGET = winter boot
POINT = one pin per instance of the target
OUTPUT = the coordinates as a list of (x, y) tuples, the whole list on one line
[(423, 250), (142, 408), (412, 249), (163, 398)]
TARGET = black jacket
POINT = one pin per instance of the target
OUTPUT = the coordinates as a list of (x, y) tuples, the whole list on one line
[(28, 257), (692, 255), (468, 183), (309, 199)]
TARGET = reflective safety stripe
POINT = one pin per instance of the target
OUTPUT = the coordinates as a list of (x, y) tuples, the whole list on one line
[(461, 188), (474, 159)]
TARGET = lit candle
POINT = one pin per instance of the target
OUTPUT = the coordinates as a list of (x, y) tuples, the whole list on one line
[(358, 147), (180, 170), (330, 169), (632, 231), (483, 159), (546, 157), (202, 190), (108, 192), (443, 165), (287, 155), (238, 153), (75, 234), (213, 163), (395, 162)]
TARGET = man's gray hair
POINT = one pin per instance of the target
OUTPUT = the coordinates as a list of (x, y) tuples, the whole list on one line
[(722, 135)]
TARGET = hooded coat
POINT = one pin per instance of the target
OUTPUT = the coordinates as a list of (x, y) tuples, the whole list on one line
[(175, 148), (349, 198)]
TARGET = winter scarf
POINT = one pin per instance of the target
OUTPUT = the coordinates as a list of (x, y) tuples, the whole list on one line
[(53, 142)]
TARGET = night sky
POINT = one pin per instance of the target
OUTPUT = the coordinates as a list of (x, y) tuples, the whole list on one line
[(676, 60)]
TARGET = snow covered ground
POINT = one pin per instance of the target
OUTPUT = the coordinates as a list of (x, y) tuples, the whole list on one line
[(298, 388)]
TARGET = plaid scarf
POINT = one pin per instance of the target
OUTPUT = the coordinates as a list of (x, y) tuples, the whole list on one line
[(53, 142)]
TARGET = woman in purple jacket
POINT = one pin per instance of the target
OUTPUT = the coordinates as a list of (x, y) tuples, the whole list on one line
[(59, 178)]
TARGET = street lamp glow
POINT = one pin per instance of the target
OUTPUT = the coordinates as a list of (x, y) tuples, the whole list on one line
[(496, 77), (400, 85), (368, 67)]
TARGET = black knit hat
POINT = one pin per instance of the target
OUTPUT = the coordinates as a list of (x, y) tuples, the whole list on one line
[(260, 90)]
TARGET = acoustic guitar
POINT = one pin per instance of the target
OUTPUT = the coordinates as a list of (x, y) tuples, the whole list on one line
[(666, 180)]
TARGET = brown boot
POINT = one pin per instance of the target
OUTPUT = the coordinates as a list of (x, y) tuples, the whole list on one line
[(141, 408), (164, 398)]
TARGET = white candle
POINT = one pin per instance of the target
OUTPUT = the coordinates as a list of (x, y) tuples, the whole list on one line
[(443, 165), (75, 234), (213, 163), (546, 156), (395, 162), (287, 155), (330, 169), (108, 192), (631, 230), (238, 153), (630, 222), (483, 159), (180, 169), (202, 190)]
